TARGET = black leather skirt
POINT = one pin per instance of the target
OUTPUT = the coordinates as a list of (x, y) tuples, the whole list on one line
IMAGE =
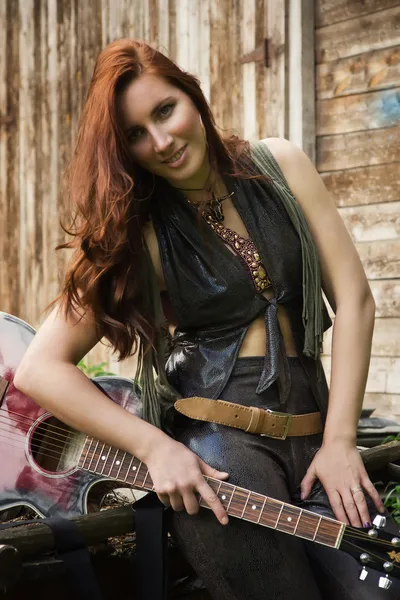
[(243, 561)]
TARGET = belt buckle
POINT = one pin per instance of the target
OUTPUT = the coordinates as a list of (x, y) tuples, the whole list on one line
[(287, 425)]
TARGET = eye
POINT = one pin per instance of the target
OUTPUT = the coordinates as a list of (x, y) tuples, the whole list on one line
[(135, 135), (166, 110)]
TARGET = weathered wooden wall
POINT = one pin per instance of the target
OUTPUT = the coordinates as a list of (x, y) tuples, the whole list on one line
[(358, 155), (47, 53)]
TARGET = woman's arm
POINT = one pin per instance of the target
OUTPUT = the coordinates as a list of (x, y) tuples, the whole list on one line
[(48, 374), (338, 464)]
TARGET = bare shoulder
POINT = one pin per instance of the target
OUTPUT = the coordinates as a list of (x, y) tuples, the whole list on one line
[(287, 155)]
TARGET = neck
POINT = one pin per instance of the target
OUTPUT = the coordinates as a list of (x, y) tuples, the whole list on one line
[(214, 184)]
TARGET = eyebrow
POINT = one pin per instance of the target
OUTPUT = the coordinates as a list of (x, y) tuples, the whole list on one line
[(153, 112)]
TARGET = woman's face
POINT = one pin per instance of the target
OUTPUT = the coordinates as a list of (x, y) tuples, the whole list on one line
[(164, 131)]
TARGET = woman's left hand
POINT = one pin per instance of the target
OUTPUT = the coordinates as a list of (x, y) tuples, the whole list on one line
[(339, 467)]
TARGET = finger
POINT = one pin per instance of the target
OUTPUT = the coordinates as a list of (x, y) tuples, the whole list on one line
[(176, 502), (373, 492), (164, 498), (191, 503), (213, 502), (335, 500), (361, 505), (211, 472), (307, 483), (350, 506)]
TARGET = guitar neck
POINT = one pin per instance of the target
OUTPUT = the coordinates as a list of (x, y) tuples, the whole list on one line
[(238, 502)]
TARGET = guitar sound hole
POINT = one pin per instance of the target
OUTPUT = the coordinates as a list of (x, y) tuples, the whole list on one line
[(55, 446)]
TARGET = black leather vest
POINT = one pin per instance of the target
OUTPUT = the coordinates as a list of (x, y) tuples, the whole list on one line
[(214, 300)]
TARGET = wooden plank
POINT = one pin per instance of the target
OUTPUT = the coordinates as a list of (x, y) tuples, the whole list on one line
[(379, 456), (364, 185), (383, 376), (372, 221), (250, 128), (334, 11), (379, 69), (387, 297), (357, 149), (380, 259), (277, 100), (386, 339), (261, 70), (163, 26), (201, 19), (30, 223), (4, 118), (36, 539), (358, 112), (348, 38), (301, 75), (226, 102)]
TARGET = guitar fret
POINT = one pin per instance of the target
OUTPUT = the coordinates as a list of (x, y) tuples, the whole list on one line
[(96, 468), (230, 499), (129, 468), (116, 464), (105, 459), (245, 506), (298, 521), (261, 511), (287, 521), (280, 512), (144, 482), (112, 463), (316, 531), (89, 445), (120, 467), (93, 455), (137, 473)]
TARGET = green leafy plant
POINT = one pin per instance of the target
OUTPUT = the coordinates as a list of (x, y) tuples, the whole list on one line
[(94, 370), (392, 502)]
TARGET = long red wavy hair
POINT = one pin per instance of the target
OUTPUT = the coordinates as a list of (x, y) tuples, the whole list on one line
[(107, 269)]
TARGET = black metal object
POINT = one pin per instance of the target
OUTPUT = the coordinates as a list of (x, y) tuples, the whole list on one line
[(372, 431)]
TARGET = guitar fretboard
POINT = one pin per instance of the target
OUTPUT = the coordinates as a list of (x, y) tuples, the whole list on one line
[(105, 460)]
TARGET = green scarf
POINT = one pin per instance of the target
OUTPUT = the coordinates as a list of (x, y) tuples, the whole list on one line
[(157, 392)]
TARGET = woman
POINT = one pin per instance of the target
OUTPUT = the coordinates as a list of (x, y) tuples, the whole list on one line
[(162, 201)]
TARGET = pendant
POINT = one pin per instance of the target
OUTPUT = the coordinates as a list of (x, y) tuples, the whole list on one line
[(215, 209)]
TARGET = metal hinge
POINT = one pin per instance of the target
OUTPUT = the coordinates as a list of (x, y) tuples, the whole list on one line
[(264, 53)]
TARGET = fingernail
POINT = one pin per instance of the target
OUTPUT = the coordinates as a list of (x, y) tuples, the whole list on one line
[(302, 495), (225, 521), (367, 524)]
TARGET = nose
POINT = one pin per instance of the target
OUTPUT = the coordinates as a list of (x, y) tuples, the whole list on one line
[(162, 140)]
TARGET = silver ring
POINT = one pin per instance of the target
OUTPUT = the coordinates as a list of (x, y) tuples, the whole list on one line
[(355, 490)]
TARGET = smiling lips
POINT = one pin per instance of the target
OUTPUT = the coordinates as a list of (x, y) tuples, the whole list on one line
[(176, 156)]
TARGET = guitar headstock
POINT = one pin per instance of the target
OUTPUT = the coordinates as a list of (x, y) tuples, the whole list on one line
[(375, 548)]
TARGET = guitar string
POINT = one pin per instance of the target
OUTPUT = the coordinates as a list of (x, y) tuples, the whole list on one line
[(55, 455), (63, 429), (376, 556), (350, 533), (42, 428), (36, 445)]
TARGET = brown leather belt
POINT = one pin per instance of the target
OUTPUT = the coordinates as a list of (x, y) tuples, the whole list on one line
[(250, 418)]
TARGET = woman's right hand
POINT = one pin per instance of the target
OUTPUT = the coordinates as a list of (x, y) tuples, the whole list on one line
[(178, 475)]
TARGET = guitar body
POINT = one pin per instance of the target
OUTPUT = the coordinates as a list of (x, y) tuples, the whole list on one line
[(38, 453)]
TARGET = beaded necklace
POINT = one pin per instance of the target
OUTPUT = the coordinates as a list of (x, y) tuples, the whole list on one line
[(243, 247)]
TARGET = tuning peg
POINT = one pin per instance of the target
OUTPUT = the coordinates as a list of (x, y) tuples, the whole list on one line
[(385, 582), (364, 574), (395, 541), (379, 521)]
